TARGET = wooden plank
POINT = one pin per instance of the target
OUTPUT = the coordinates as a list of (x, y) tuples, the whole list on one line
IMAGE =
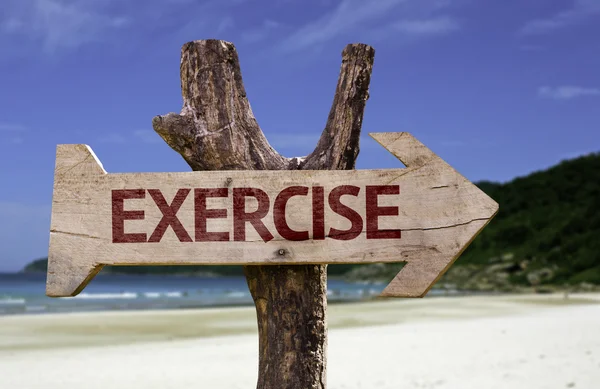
[(425, 215)]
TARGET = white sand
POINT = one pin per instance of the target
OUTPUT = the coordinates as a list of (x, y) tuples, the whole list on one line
[(529, 342)]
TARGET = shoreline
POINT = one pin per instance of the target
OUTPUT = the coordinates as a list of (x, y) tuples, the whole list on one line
[(333, 299), (493, 342), (88, 329), (573, 297)]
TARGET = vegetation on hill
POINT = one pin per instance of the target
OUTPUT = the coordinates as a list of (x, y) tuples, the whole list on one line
[(547, 232)]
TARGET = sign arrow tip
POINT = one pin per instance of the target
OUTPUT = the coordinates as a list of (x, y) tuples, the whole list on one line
[(453, 235)]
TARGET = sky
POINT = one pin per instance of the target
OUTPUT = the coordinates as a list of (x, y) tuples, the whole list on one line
[(498, 89)]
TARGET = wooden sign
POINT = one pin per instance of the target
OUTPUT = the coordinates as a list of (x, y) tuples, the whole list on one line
[(424, 215)]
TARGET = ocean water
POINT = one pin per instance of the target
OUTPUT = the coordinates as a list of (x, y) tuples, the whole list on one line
[(25, 293)]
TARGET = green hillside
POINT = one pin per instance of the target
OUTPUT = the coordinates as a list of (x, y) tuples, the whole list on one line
[(547, 232), (548, 224)]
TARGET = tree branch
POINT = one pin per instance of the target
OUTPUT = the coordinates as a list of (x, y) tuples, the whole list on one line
[(338, 146), (216, 129)]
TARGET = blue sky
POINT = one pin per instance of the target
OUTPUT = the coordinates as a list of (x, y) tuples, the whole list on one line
[(497, 88)]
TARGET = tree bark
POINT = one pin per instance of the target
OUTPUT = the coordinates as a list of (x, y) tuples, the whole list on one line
[(216, 130)]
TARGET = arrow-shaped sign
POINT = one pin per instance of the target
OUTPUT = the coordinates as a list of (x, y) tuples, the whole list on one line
[(424, 215)]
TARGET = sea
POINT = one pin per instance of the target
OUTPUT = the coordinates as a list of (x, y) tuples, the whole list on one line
[(24, 293)]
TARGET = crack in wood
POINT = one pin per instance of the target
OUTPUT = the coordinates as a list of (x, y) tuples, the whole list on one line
[(65, 171), (74, 234), (450, 226)]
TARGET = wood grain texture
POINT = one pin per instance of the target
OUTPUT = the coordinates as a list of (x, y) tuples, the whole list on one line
[(216, 128), (439, 213)]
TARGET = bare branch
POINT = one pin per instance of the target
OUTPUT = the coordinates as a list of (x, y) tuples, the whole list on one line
[(216, 129), (338, 146)]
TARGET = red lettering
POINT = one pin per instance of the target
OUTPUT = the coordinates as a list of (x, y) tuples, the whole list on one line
[(374, 211), (240, 216), (345, 211), (318, 212), (201, 214), (279, 213), (169, 215), (119, 215)]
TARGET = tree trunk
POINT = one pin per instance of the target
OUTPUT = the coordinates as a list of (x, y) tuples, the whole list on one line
[(216, 130)]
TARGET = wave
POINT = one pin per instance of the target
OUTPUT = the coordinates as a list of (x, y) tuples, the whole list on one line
[(125, 295), (105, 296), (155, 295), (235, 294), (36, 308), (12, 301)]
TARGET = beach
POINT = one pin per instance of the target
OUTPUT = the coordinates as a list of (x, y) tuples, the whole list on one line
[(507, 341)]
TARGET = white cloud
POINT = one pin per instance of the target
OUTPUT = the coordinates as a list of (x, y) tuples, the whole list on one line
[(260, 33), (58, 24), (581, 11), (11, 25), (433, 26), (566, 92), (225, 24), (350, 16), (415, 28), (148, 136)]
